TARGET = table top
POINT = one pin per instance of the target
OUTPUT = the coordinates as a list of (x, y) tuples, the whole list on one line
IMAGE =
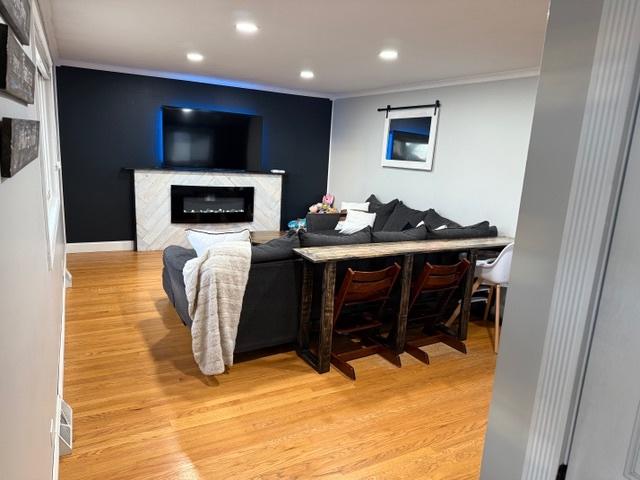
[(337, 253), (263, 236)]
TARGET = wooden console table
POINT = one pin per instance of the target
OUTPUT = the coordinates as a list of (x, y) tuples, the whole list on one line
[(263, 236), (329, 256)]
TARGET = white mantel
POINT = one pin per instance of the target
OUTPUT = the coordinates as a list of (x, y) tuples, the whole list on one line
[(154, 230)]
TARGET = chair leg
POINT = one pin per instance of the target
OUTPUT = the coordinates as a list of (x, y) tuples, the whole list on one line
[(390, 356), (497, 317), (385, 352), (343, 366), (454, 343), (488, 307), (417, 353)]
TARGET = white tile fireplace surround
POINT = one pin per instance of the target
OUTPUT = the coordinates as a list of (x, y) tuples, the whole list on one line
[(154, 230)]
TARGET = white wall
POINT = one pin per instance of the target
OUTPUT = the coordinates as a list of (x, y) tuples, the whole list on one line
[(31, 309), (480, 156)]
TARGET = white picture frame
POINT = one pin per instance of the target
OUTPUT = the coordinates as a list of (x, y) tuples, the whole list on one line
[(433, 114)]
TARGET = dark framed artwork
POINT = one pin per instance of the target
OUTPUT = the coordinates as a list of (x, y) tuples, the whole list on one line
[(17, 14), (17, 71), (19, 143)]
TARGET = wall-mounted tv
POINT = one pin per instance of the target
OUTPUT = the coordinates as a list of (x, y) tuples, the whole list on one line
[(209, 139)]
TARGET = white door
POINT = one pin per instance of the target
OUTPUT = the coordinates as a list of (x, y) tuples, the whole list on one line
[(606, 444)]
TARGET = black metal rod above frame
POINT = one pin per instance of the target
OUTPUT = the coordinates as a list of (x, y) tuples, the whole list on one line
[(389, 108)]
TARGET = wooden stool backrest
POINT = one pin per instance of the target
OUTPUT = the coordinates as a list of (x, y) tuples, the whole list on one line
[(365, 287), (443, 279)]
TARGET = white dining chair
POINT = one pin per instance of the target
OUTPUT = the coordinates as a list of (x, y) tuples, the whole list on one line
[(495, 275)]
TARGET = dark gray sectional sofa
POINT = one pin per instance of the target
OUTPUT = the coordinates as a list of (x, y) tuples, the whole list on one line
[(270, 308)]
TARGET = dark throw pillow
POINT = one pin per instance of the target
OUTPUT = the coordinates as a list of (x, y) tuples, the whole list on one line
[(482, 229), (382, 210), (322, 240), (433, 220), (419, 233), (276, 249), (402, 218)]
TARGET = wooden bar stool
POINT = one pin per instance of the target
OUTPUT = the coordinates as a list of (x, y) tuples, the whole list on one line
[(353, 319), (431, 295)]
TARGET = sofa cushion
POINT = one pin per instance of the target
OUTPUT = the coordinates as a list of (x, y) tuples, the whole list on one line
[(356, 221), (433, 220), (402, 217), (482, 229), (327, 239), (419, 233), (382, 210), (201, 240), (175, 257), (276, 249)]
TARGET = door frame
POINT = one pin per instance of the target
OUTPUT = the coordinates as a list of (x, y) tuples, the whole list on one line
[(610, 116)]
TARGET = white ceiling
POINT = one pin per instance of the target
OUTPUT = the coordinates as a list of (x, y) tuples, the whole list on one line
[(338, 39)]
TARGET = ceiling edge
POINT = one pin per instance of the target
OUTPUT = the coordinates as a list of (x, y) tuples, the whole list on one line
[(192, 78), (446, 82), (491, 77)]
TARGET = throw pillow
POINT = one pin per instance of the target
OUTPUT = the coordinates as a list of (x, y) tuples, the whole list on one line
[(482, 229), (418, 233), (433, 219), (201, 240), (320, 240), (373, 201), (356, 221), (276, 249), (382, 210), (363, 206), (401, 218)]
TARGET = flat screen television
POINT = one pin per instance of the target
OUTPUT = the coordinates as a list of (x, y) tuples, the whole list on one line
[(209, 139)]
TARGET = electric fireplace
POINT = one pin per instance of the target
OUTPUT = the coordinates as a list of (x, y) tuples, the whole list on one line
[(195, 204)]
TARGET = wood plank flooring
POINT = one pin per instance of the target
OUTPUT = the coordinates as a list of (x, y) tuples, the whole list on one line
[(142, 410)]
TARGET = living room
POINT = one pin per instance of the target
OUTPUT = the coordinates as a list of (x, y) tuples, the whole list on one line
[(292, 239)]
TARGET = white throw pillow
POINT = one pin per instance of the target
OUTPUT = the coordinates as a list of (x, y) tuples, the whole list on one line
[(356, 221), (363, 207), (201, 240)]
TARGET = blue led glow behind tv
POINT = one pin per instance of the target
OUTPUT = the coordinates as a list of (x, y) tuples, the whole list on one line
[(209, 139)]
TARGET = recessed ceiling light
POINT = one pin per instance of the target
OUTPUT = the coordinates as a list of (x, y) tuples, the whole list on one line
[(307, 74), (246, 27), (388, 54), (187, 110), (195, 56)]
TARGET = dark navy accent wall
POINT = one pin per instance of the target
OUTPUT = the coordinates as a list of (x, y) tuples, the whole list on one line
[(110, 121)]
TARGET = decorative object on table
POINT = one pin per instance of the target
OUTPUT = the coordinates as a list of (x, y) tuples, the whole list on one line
[(19, 141), (326, 206), (410, 136), (328, 199), (297, 224), (17, 71), (17, 13)]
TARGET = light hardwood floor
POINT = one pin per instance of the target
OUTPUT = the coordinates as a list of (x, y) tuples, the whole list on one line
[(143, 411)]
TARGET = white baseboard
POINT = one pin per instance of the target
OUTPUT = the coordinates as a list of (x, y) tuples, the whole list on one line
[(125, 245)]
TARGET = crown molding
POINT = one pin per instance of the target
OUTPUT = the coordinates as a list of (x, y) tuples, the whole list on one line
[(225, 82), (446, 82)]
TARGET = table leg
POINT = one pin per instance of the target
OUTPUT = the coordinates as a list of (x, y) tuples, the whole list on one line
[(400, 336), (304, 330), (326, 321), (472, 256)]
